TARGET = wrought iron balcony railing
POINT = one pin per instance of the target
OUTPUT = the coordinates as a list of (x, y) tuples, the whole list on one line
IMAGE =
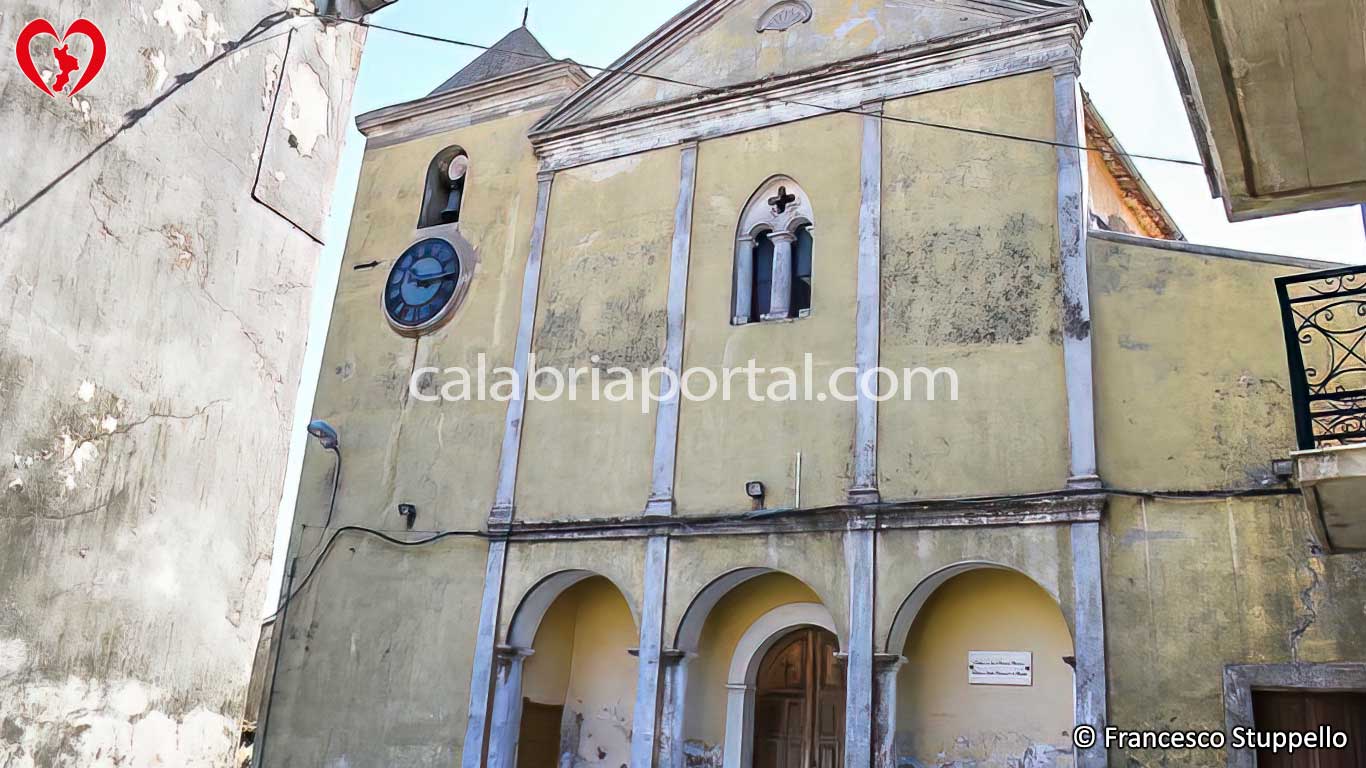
[(1324, 314)]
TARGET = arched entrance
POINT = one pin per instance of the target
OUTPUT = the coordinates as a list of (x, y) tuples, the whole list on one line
[(986, 678), (564, 688), (712, 676), (799, 703)]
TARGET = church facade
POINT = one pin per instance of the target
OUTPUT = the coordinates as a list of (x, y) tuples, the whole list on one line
[(1089, 530)]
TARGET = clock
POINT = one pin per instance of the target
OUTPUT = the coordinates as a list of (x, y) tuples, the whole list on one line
[(422, 285)]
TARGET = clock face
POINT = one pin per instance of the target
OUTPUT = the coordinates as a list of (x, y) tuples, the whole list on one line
[(422, 285)]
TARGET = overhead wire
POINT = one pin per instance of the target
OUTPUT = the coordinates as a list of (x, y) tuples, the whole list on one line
[(624, 529), (821, 108), (326, 543)]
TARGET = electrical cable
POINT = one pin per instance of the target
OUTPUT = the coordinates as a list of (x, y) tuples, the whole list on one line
[(332, 505), (254, 36), (704, 88), (624, 527)]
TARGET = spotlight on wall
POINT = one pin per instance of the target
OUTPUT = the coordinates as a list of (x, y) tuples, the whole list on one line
[(328, 438), (409, 513), (754, 489)]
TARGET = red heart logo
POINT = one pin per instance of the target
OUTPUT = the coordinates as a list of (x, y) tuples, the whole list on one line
[(66, 63)]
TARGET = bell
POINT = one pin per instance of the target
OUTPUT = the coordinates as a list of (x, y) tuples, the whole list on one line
[(455, 183)]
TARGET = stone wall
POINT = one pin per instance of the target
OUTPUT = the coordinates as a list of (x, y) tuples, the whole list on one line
[(160, 232)]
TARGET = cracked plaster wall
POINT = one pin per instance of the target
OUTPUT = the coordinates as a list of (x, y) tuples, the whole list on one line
[(151, 333), (1192, 392), (414, 643), (970, 280)]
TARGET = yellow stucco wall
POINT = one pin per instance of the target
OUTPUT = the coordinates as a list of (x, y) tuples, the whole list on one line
[(729, 52), (376, 621), (604, 286), (970, 281), (1192, 392), (815, 559), (377, 658), (705, 721), (941, 718), (1192, 386), (906, 558), (400, 449), (724, 444), (1192, 587)]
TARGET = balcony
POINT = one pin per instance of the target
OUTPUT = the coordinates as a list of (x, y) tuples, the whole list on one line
[(1324, 316)]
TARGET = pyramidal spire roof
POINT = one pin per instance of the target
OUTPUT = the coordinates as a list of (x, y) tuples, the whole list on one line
[(518, 50)]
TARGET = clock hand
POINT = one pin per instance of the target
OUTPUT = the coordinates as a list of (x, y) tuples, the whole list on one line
[(429, 278)]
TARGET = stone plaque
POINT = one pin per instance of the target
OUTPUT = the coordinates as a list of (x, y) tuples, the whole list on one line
[(1000, 668)]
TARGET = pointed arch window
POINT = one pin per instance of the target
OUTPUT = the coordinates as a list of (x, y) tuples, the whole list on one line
[(774, 254), (445, 191)]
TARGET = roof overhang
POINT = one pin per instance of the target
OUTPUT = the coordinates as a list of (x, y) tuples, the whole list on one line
[(1276, 95), (539, 87)]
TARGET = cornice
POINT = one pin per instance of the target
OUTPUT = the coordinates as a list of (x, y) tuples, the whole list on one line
[(541, 86), (1036, 43), (1057, 508), (1183, 246), (651, 50)]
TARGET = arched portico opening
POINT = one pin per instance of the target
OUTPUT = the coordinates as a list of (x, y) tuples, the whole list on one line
[(565, 681), (977, 670), (712, 680)]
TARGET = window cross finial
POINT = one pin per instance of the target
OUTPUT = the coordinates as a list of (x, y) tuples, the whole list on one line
[(782, 200)]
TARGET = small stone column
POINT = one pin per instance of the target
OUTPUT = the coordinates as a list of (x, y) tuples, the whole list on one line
[(860, 544), (675, 704), (506, 722), (1088, 620), (744, 279), (780, 303), (649, 666), (886, 666)]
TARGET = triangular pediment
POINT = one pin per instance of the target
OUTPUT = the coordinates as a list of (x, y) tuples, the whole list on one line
[(724, 43)]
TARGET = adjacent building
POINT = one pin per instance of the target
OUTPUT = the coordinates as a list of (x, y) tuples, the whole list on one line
[(159, 232), (1099, 528)]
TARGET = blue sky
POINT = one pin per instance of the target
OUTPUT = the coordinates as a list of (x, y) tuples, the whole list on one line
[(1124, 67)]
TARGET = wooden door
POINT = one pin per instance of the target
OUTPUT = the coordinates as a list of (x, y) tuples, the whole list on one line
[(799, 703), (538, 743), (1306, 711)]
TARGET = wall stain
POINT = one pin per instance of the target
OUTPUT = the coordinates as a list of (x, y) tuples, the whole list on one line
[(964, 286)]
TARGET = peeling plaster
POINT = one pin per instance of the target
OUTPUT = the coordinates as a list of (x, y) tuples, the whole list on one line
[(306, 115), (184, 17), (157, 75), (103, 446), (179, 15), (89, 724)]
